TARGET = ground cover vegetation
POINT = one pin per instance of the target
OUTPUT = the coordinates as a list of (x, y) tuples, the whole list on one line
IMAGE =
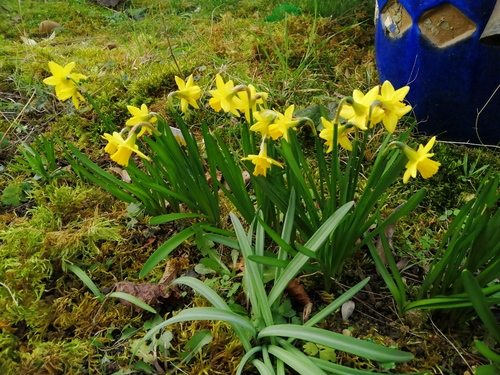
[(226, 188)]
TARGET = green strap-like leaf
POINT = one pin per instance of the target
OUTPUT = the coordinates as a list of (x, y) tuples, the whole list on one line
[(318, 238), (200, 313), (479, 302), (215, 300), (134, 300), (296, 360), (337, 341), (165, 249), (162, 219), (86, 280)]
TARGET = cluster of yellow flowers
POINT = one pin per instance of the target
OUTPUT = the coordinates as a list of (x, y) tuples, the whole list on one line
[(382, 104)]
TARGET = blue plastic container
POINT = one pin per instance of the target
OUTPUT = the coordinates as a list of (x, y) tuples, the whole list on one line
[(433, 46)]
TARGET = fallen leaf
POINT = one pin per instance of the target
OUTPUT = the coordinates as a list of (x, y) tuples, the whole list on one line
[(149, 242), (111, 45), (170, 273), (28, 41), (296, 290), (403, 262), (146, 292), (122, 173), (306, 313)]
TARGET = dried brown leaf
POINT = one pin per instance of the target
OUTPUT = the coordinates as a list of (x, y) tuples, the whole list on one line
[(306, 313), (170, 273), (146, 292), (122, 173), (296, 291)]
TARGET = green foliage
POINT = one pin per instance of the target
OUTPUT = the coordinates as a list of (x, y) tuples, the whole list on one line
[(175, 175), (302, 59), (100, 296), (39, 158), (15, 194), (260, 334), (470, 244), (4, 141), (335, 8), (493, 357)]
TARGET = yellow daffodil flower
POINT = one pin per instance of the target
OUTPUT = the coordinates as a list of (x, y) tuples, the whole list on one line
[(420, 160), (263, 120), (121, 149), (327, 135), (283, 123), (188, 92), (358, 110), (225, 97), (65, 82), (73, 93), (392, 105), (250, 104), (141, 115), (262, 162)]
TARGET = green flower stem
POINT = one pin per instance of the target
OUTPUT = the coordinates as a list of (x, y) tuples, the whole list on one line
[(109, 125), (146, 124), (308, 121), (247, 136)]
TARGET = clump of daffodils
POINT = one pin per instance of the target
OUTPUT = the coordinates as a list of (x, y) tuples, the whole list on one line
[(379, 105), (357, 113)]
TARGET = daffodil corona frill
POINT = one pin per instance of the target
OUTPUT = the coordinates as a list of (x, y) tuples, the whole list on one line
[(188, 93), (381, 104), (262, 162), (65, 82), (121, 149), (420, 160)]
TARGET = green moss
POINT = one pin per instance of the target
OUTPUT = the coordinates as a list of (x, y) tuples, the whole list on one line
[(55, 357)]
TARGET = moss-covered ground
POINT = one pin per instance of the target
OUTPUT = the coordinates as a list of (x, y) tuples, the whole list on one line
[(50, 322)]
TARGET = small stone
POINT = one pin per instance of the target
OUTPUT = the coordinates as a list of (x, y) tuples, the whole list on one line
[(111, 45), (346, 332), (46, 27)]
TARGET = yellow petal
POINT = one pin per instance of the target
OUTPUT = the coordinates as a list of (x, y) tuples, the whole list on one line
[(56, 69), (180, 83), (134, 110)]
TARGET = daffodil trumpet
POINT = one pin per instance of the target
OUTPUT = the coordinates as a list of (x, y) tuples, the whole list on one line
[(418, 160)]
